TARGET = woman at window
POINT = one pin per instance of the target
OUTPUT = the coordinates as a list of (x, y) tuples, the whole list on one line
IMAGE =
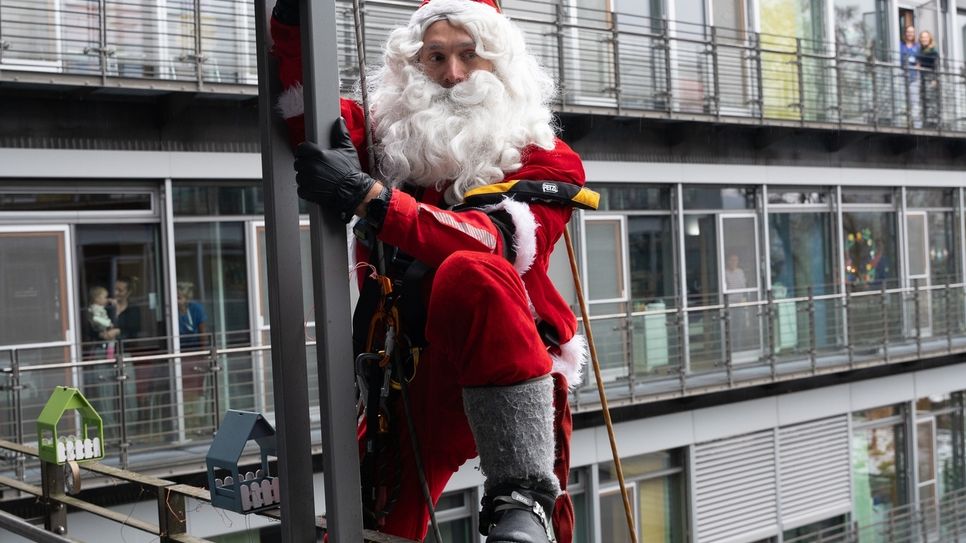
[(928, 61)]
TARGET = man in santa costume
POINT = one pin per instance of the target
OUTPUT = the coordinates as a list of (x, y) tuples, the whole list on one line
[(471, 182)]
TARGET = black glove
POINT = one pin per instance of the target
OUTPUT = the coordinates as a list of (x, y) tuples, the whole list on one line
[(332, 177), (286, 11)]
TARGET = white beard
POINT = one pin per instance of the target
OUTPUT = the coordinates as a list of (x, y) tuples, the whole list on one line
[(471, 134)]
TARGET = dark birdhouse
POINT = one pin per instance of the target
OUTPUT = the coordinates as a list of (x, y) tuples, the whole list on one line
[(230, 488), (62, 449)]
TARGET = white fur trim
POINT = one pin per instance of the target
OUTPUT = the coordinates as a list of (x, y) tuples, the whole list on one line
[(439, 9), (573, 356), (525, 234), (291, 103)]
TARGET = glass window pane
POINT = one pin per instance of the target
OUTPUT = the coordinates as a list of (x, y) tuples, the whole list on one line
[(217, 199), (613, 519), (454, 531), (916, 198), (740, 253), (651, 254), (950, 444), (926, 443), (689, 11), (701, 259), (719, 198), (861, 24), (801, 254), (108, 253), (308, 302), (633, 198), (582, 521), (660, 509), (870, 249), (604, 250), (212, 257), (639, 466), (55, 202), (878, 457), (943, 253), (33, 287), (778, 196), (867, 196), (876, 413), (916, 235)]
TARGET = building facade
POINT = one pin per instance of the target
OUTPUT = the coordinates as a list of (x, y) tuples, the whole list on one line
[(775, 275)]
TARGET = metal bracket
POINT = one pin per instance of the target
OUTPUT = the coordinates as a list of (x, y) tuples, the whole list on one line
[(193, 57)]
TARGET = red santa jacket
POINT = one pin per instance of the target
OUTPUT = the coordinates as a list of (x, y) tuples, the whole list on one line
[(430, 233)]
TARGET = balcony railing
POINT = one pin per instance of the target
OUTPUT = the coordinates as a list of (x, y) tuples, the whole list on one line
[(664, 350), (161, 408), (604, 62), (932, 520)]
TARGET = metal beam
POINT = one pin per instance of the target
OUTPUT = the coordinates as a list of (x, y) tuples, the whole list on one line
[(289, 370), (330, 264), (19, 526)]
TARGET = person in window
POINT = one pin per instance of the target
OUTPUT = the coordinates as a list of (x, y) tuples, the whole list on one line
[(909, 60), (100, 324), (928, 62), (460, 104), (193, 328), (127, 317)]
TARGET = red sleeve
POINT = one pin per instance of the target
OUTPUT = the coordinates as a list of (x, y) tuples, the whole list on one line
[(430, 234), (287, 48)]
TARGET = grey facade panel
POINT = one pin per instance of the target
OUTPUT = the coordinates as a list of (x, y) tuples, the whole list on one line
[(814, 467), (735, 490)]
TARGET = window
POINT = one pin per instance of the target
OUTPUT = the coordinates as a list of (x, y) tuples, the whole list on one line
[(205, 198), (53, 202), (455, 518), (633, 198), (655, 482), (878, 464)]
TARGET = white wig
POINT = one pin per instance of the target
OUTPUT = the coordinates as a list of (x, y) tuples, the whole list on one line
[(474, 133)]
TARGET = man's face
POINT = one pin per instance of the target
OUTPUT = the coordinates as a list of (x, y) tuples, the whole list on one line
[(910, 34), (448, 56)]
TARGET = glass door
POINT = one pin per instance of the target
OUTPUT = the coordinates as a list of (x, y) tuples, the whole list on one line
[(607, 288), (37, 317), (738, 257), (264, 399), (926, 470), (917, 251)]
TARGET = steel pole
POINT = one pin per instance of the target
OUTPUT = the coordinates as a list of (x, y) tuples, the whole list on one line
[(289, 371), (330, 268)]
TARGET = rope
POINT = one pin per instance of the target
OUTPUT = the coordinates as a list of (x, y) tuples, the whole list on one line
[(600, 385), (357, 14), (414, 440)]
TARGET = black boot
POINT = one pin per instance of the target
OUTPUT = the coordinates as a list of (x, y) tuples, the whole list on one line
[(513, 429), (518, 516)]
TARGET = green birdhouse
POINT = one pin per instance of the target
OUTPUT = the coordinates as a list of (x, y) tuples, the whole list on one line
[(61, 449), (230, 488)]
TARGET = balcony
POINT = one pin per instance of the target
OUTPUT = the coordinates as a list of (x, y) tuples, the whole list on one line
[(605, 63), (161, 408), (655, 353)]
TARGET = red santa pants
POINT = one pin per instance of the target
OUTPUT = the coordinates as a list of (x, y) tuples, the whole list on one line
[(481, 333)]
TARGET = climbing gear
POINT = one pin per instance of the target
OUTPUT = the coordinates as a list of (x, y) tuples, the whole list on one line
[(517, 516), (549, 192)]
